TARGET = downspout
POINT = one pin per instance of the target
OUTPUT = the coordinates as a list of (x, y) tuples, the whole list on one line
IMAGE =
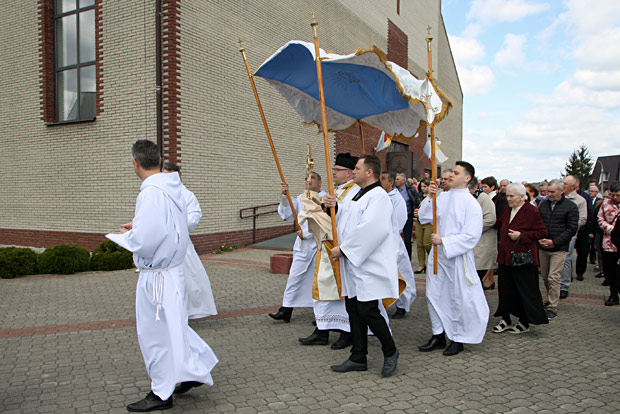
[(158, 80)]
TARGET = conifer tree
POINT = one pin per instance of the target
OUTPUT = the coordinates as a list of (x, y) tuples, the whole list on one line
[(580, 165)]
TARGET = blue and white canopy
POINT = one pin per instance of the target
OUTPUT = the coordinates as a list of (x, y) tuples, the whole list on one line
[(361, 86)]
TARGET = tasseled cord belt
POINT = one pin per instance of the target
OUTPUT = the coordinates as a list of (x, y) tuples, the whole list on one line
[(158, 286)]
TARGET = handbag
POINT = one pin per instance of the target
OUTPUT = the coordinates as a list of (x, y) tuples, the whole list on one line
[(521, 259)]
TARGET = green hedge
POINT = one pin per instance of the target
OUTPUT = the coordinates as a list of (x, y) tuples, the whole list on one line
[(64, 259), (17, 261), (110, 256)]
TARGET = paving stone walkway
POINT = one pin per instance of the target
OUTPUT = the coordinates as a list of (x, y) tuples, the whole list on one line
[(68, 345)]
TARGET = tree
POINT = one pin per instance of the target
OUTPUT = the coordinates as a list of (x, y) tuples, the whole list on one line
[(580, 165)]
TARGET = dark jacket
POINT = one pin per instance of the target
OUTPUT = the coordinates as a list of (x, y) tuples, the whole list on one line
[(562, 223), (415, 197), (527, 221), (590, 226), (500, 205)]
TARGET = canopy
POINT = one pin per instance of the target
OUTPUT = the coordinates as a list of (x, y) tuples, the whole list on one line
[(362, 86)]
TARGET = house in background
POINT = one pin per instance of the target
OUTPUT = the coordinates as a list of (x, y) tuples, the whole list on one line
[(82, 80), (606, 171)]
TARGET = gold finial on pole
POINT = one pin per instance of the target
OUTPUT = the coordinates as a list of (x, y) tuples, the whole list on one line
[(242, 49), (314, 24), (429, 52)]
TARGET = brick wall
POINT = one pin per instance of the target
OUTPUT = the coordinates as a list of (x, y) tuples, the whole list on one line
[(70, 180)]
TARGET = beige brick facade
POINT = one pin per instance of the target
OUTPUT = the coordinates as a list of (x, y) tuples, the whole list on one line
[(77, 178)]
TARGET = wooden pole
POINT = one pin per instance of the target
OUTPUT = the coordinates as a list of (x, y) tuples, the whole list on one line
[(429, 39), (273, 148), (359, 124), (328, 163)]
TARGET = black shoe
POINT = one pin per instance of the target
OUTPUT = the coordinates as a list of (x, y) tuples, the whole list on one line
[(343, 342), (420, 271), (453, 349), (612, 301), (399, 314), (580, 277), (283, 314), (563, 294), (436, 341), (151, 403), (491, 287), (317, 338), (599, 275), (348, 366), (605, 283), (183, 387), (389, 365), (551, 314)]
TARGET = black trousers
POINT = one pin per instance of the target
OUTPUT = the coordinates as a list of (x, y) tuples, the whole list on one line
[(364, 315), (612, 271), (407, 234), (582, 247), (519, 295)]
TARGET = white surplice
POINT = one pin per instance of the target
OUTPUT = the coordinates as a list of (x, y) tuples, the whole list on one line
[(332, 314), (399, 218), (198, 294), (298, 291), (172, 351), (369, 271), (456, 302)]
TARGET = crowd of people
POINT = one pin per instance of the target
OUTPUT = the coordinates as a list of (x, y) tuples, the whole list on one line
[(510, 230)]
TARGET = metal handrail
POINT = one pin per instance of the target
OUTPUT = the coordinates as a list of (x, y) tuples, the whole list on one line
[(256, 214)]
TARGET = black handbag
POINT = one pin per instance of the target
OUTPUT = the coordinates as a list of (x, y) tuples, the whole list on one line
[(521, 259)]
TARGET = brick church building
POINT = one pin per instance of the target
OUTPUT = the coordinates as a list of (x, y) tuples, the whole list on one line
[(82, 80)]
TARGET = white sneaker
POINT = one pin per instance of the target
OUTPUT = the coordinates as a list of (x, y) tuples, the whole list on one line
[(519, 328), (501, 327)]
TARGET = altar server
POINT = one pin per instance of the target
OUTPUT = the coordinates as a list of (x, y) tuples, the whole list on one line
[(298, 291), (368, 265), (456, 302), (399, 218), (158, 237)]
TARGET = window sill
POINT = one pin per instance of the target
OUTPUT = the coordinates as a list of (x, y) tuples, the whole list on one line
[(77, 121)]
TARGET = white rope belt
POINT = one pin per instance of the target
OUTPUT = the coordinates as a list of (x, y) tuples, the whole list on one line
[(158, 285)]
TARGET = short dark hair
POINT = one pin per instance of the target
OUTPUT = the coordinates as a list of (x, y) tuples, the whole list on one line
[(614, 187), (318, 176), (491, 182), (170, 166), (146, 153), (471, 171), (391, 176), (532, 188), (372, 162), (426, 181)]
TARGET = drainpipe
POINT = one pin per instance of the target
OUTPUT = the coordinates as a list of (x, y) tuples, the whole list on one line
[(158, 80)]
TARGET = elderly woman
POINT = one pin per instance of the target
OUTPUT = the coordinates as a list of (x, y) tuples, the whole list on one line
[(520, 227), (422, 231), (485, 251), (608, 216)]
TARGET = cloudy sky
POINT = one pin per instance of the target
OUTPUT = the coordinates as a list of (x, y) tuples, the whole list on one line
[(539, 79)]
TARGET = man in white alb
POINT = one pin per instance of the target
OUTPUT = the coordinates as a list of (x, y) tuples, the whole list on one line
[(298, 291), (158, 237), (399, 218), (456, 302), (368, 265)]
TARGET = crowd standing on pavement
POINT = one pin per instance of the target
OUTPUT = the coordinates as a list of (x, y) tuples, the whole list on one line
[(514, 231)]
